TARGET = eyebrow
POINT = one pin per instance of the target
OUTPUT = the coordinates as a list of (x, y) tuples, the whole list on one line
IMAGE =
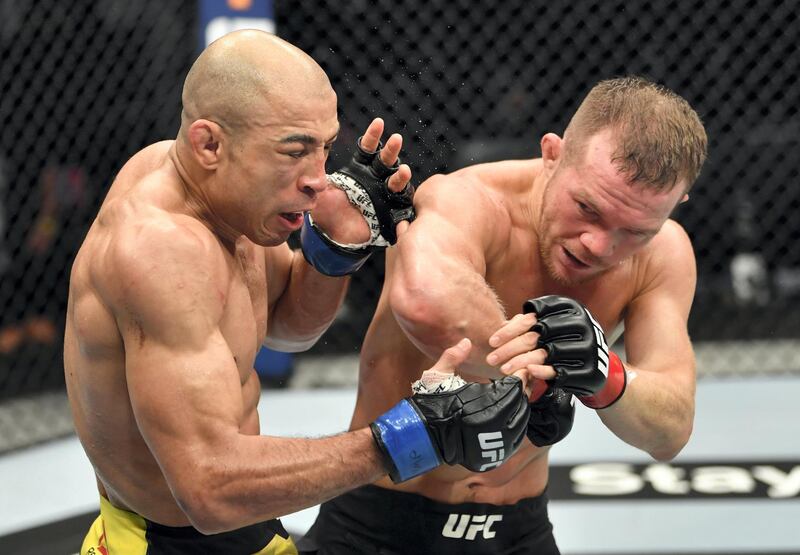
[(581, 197), (305, 139)]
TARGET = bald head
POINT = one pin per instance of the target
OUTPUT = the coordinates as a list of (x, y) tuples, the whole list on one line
[(239, 77)]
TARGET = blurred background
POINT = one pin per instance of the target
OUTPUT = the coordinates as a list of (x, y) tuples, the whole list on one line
[(85, 84)]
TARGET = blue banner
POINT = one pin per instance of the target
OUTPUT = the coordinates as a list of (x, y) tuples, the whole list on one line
[(220, 17)]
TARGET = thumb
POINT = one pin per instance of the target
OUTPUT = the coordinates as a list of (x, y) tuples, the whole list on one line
[(454, 356)]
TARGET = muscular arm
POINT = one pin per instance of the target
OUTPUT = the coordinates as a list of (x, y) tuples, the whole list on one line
[(436, 283), (657, 410), (302, 302), (186, 393)]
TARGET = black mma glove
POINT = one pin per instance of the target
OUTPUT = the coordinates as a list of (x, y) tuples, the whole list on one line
[(477, 425), (551, 417), (365, 182), (577, 350)]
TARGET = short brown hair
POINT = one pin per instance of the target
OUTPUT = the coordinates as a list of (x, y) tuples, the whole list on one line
[(660, 138)]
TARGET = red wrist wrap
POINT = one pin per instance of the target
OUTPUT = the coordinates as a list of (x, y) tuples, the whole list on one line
[(614, 388)]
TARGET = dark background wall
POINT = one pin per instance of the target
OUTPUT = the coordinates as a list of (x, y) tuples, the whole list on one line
[(84, 84)]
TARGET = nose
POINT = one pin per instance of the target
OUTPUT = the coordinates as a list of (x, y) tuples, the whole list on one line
[(599, 242), (314, 180)]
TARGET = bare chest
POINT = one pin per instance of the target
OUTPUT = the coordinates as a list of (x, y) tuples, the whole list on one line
[(244, 321), (520, 276)]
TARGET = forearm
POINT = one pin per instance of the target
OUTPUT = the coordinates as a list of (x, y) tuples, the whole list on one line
[(306, 308), (267, 477), (655, 414)]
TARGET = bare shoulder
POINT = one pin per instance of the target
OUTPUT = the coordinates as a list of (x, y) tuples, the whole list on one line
[(672, 240), (668, 258), (154, 236), (147, 159), (508, 175), (139, 168), (155, 263), (441, 191), (480, 191)]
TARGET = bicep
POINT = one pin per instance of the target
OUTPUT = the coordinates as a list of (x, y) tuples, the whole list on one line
[(185, 398), (445, 244), (182, 379), (433, 249), (436, 282), (656, 332)]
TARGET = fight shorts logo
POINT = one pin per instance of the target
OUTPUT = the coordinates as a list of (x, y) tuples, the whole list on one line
[(491, 448), (467, 526)]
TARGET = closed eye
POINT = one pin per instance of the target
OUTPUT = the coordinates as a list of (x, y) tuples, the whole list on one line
[(640, 234), (586, 209), (300, 153)]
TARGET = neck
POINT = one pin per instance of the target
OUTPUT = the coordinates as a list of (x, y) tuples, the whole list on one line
[(536, 203), (196, 184)]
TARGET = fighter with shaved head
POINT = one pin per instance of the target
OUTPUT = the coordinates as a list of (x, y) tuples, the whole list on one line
[(185, 272)]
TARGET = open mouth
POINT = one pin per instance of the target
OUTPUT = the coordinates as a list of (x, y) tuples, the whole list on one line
[(574, 260), (292, 217)]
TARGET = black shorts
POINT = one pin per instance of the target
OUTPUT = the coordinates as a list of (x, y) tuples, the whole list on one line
[(372, 520)]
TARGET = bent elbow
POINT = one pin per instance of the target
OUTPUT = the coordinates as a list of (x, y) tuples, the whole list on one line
[(664, 455), (414, 306), (670, 449), (199, 509), (204, 510)]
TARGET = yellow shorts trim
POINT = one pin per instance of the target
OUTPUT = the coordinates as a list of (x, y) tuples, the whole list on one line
[(115, 531), (279, 546), (119, 532)]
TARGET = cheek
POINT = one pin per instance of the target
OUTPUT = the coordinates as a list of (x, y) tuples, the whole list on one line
[(562, 224), (282, 177)]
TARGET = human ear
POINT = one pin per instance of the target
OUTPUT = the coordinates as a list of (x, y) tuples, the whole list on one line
[(204, 138), (552, 146)]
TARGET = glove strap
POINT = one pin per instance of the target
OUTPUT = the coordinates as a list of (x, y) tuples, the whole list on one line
[(616, 380), (326, 256), (402, 436)]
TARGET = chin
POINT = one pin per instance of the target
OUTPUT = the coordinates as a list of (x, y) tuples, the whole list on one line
[(273, 241), (554, 272), (562, 275), (267, 238)]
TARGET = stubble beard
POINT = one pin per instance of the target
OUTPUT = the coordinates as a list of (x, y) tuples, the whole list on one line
[(546, 252), (547, 248)]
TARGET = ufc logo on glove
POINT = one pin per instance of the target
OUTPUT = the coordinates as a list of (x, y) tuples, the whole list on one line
[(602, 346), (491, 448), (577, 350)]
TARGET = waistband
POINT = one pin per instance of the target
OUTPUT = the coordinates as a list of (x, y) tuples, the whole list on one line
[(131, 529), (372, 520), (419, 503)]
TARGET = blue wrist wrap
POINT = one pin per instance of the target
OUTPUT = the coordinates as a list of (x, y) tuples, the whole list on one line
[(328, 257), (406, 439)]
